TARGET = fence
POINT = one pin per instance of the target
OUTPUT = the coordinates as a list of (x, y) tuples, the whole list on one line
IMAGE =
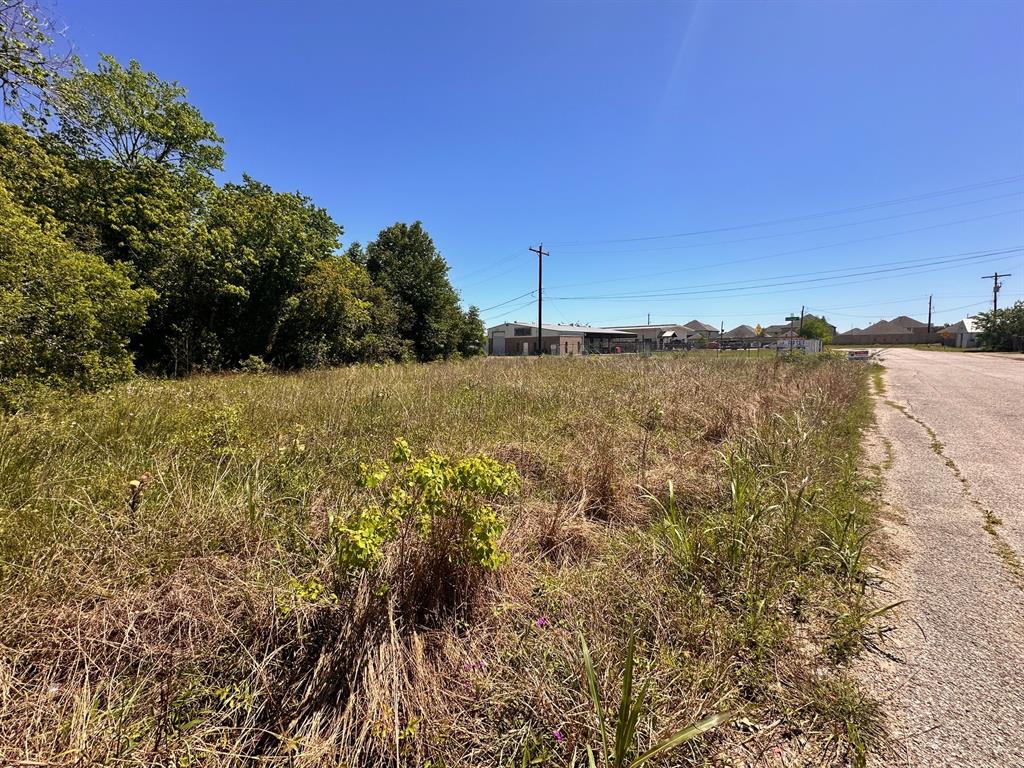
[(891, 339)]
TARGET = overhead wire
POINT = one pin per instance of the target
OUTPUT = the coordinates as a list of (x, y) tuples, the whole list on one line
[(981, 259), (792, 233), (794, 252), (508, 301), (735, 286), (805, 217)]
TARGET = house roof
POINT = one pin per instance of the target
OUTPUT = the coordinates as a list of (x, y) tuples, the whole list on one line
[(908, 322), (854, 330), (566, 330), (967, 325), (901, 324), (697, 325), (741, 332)]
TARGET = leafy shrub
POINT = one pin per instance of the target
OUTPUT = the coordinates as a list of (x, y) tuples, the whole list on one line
[(816, 328), (254, 364), (65, 316), (429, 520), (1002, 329)]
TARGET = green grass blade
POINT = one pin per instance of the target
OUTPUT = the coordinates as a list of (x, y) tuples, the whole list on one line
[(588, 666), (623, 734), (701, 726)]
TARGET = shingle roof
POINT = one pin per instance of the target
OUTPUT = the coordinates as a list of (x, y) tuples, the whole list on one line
[(741, 332), (901, 324), (697, 325)]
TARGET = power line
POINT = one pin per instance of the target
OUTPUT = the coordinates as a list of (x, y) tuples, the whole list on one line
[(510, 310), (806, 217), (496, 263), (724, 292), (799, 231), (794, 252), (923, 261), (509, 301), (759, 282)]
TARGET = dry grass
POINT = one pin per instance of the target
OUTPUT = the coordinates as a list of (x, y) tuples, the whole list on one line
[(169, 623)]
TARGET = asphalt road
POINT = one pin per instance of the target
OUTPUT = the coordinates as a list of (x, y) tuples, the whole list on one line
[(951, 434)]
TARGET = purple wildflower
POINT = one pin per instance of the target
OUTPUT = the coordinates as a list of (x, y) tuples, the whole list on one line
[(559, 736), (542, 621)]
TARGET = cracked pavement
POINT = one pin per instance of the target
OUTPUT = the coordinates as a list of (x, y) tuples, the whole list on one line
[(953, 691)]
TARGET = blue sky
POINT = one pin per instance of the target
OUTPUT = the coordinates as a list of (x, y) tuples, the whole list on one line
[(602, 128)]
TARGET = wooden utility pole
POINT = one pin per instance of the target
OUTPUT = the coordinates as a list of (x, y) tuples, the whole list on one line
[(929, 313), (996, 285), (801, 318), (541, 253)]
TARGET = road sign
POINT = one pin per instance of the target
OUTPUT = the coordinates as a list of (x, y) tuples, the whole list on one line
[(792, 318)]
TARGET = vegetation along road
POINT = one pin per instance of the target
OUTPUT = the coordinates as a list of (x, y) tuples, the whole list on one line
[(951, 439)]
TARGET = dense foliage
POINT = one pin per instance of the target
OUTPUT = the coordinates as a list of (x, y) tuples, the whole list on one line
[(816, 328), (1002, 329), (65, 316), (118, 183)]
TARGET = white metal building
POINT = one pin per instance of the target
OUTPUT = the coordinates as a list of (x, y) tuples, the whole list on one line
[(564, 340)]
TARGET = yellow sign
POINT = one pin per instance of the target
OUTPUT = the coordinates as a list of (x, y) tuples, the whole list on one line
[(758, 329)]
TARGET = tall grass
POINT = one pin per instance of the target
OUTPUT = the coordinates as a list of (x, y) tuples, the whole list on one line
[(171, 594)]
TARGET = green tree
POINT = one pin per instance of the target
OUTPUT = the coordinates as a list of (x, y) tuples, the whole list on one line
[(337, 317), (263, 244), (131, 117), (816, 328), (1002, 329), (473, 335), (30, 63), (405, 263), (36, 176), (65, 316)]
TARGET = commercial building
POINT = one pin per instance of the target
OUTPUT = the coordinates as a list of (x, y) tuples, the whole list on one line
[(519, 339), (652, 338)]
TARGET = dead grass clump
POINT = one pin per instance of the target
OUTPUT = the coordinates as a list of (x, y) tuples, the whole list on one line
[(560, 532), (603, 480)]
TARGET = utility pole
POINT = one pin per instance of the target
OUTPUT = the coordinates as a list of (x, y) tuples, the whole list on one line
[(721, 336), (541, 253), (929, 313), (648, 318), (996, 285), (801, 318)]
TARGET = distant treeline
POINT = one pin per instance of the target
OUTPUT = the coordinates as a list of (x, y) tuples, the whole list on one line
[(118, 250)]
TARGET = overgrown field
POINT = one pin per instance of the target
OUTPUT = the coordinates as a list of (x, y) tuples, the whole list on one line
[(248, 568)]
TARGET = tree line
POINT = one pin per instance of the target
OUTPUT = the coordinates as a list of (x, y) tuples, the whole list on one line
[(120, 252)]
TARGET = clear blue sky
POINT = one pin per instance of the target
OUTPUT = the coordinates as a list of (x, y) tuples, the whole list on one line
[(501, 125)]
